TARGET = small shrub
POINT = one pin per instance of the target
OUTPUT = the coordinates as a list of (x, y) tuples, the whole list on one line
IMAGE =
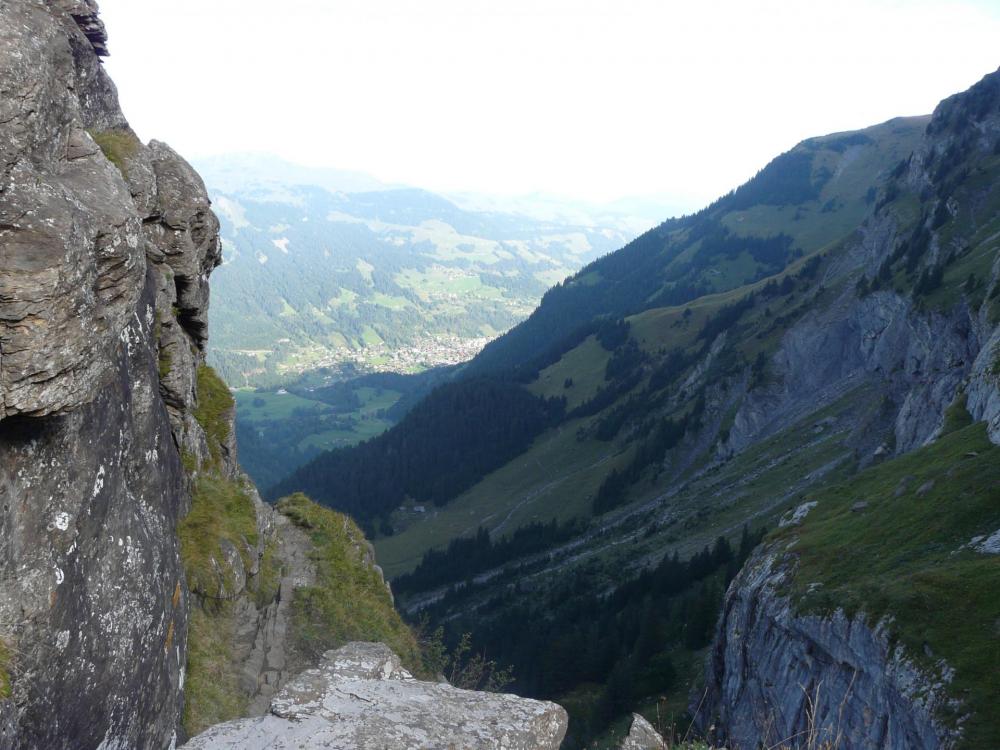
[(956, 416), (164, 363)]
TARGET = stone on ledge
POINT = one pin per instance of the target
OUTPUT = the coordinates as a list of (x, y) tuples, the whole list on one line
[(361, 698), (642, 736)]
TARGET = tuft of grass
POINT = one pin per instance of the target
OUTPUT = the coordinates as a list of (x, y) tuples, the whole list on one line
[(956, 416), (220, 511), (268, 580), (348, 601), (905, 557), (5, 681), (212, 691), (214, 411), (118, 146), (164, 363)]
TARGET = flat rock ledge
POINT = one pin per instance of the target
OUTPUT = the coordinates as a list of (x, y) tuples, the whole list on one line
[(361, 698)]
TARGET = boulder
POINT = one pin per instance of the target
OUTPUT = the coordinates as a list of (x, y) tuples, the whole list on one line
[(361, 698), (642, 736)]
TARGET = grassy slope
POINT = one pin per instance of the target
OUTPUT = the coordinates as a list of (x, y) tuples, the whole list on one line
[(555, 478), (904, 556), (854, 172), (348, 601)]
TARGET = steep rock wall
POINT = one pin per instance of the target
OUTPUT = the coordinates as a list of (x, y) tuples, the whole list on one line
[(782, 679), (105, 249)]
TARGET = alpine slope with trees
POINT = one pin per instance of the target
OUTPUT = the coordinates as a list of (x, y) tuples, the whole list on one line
[(812, 358)]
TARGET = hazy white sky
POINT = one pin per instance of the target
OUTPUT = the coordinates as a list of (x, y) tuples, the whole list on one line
[(593, 99)]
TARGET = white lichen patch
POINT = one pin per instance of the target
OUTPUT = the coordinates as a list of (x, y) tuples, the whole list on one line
[(98, 481)]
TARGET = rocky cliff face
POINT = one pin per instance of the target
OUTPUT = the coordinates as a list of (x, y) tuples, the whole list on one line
[(777, 675), (106, 247), (783, 679), (100, 237)]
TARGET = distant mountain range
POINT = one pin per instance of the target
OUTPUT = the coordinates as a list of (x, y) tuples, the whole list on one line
[(325, 267)]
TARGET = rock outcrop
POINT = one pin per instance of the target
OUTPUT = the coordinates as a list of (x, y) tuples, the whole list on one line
[(642, 736), (360, 697), (93, 604), (779, 678)]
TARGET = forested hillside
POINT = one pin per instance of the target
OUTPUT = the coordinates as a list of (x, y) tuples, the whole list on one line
[(802, 201)]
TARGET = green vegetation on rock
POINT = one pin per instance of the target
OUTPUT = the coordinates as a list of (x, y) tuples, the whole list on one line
[(348, 601), (212, 691), (907, 556), (222, 519), (222, 513), (214, 411), (118, 146), (5, 681), (957, 416)]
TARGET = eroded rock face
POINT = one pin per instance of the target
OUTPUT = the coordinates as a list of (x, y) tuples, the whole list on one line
[(361, 698), (73, 264), (91, 588), (95, 230), (773, 674)]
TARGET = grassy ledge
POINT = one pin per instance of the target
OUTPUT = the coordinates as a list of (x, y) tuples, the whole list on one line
[(118, 146), (906, 556), (222, 515), (221, 511), (5, 682), (214, 411), (212, 691), (349, 601)]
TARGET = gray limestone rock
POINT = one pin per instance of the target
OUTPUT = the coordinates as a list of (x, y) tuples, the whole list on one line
[(73, 260), (775, 674), (92, 593), (93, 601), (642, 736), (987, 545), (361, 698)]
